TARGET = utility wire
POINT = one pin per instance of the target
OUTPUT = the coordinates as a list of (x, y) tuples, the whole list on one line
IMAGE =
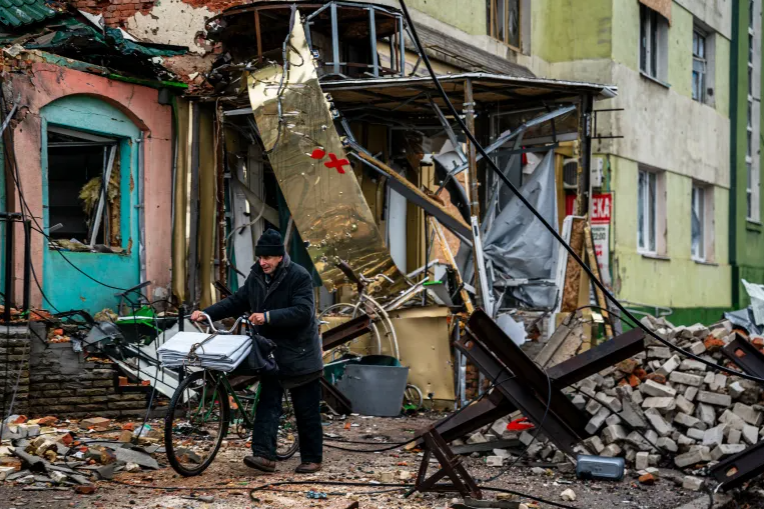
[(538, 215)]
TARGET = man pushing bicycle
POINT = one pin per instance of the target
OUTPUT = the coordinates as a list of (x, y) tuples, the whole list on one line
[(278, 295)]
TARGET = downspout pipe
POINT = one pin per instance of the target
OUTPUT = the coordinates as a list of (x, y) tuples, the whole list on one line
[(140, 208)]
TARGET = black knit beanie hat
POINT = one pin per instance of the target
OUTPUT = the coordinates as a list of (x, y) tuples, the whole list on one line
[(270, 244)]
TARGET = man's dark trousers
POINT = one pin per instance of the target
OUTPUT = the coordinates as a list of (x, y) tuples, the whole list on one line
[(306, 400)]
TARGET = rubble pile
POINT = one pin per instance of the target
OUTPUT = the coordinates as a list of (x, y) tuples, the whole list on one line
[(660, 405), (47, 453)]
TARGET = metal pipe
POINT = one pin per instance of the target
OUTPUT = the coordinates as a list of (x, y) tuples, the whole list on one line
[(27, 261), (373, 36), (335, 41), (139, 206), (9, 225), (105, 180), (402, 46)]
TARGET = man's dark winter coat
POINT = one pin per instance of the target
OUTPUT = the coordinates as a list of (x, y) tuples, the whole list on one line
[(292, 325)]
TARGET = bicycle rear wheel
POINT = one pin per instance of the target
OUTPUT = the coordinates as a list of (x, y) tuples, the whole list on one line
[(196, 423), (286, 439)]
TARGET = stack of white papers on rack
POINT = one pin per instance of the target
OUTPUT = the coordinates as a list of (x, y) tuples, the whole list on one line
[(218, 352)]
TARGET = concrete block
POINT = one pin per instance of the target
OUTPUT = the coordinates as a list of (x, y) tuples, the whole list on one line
[(494, 461), (686, 420), (624, 391), (706, 414), (6, 471), (670, 365), (594, 444), (732, 420), (613, 419), (685, 379), (642, 460), (593, 406), (652, 388), (692, 483), (685, 440), (597, 420), (637, 398), (712, 398), (525, 438), (684, 405), (724, 450), (714, 436), (638, 441), (579, 401), (611, 451), (611, 402), (698, 347), (688, 458), (691, 393), (658, 422), (748, 414), (736, 390), (710, 377), (500, 426), (692, 365), (613, 434), (719, 382), (654, 459), (630, 456), (651, 435), (667, 444), (632, 414), (750, 434), (664, 405), (478, 438), (659, 352), (695, 434), (735, 435)]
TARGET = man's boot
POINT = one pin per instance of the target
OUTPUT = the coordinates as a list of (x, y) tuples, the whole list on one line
[(259, 463), (308, 468)]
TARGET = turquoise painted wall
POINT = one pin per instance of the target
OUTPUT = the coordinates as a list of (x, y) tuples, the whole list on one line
[(64, 286)]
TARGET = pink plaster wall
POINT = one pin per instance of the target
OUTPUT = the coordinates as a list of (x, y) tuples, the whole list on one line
[(45, 83)]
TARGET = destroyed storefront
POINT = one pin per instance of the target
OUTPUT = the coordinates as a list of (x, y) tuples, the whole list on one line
[(352, 154), (87, 183)]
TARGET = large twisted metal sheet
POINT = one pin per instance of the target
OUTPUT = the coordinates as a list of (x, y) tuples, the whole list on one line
[(296, 124)]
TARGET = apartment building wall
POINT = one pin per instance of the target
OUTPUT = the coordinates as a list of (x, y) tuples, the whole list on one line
[(746, 235)]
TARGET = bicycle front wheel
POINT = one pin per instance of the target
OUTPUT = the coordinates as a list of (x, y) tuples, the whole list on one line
[(196, 423)]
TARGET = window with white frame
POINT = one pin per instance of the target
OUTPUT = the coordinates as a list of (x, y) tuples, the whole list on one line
[(698, 65), (653, 44), (647, 212)]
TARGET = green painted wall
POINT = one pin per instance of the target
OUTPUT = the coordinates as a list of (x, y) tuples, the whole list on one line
[(680, 282), (722, 75), (467, 15), (565, 30), (626, 26), (746, 239), (679, 51)]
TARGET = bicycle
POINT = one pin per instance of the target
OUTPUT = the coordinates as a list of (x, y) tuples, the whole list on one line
[(203, 408)]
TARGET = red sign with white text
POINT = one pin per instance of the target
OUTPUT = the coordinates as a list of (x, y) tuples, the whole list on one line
[(602, 205)]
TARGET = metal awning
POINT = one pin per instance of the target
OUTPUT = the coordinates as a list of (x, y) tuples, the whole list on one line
[(410, 94)]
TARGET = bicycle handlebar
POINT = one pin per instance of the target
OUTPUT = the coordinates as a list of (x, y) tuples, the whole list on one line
[(224, 331)]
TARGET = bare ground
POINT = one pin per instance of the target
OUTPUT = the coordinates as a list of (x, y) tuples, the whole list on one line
[(229, 482)]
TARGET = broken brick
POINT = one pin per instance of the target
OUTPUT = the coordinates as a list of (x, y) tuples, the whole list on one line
[(647, 479), (758, 342), (627, 366), (713, 345), (47, 421), (85, 490), (657, 378), (634, 380), (640, 373)]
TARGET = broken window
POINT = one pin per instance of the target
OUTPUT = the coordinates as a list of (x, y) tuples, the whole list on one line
[(87, 211), (698, 65), (647, 211), (505, 21), (653, 43)]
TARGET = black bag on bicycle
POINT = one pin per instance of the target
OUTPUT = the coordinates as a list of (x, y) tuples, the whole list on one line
[(262, 359)]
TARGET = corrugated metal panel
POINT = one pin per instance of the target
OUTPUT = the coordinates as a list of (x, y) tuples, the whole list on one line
[(15, 13)]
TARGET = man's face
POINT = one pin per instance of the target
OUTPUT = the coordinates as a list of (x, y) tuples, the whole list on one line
[(269, 263)]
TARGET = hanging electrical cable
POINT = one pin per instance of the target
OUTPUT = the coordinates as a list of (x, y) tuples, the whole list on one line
[(491, 164)]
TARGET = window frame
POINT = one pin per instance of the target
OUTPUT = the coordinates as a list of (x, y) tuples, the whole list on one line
[(653, 45), (702, 36), (492, 28), (650, 214), (698, 201)]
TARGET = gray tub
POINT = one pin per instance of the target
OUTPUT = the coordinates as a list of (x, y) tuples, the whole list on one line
[(373, 389)]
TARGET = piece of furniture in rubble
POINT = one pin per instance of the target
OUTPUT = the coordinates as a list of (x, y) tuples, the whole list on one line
[(740, 468), (519, 385)]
